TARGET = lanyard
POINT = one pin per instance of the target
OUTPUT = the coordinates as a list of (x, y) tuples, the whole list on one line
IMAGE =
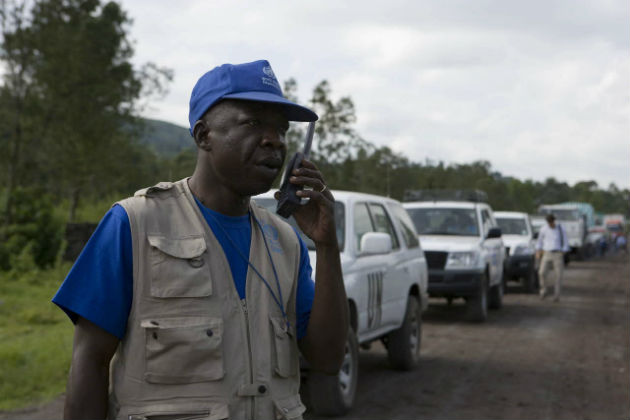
[(279, 301)]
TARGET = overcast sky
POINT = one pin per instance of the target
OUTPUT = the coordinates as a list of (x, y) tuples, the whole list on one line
[(538, 88)]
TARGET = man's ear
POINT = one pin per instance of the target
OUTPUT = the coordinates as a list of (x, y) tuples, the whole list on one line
[(200, 133)]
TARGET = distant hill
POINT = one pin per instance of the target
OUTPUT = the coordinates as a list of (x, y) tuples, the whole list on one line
[(165, 139)]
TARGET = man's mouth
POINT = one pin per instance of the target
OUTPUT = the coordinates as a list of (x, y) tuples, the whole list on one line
[(271, 163)]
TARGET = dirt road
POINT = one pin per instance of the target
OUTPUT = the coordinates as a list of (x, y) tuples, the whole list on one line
[(533, 359)]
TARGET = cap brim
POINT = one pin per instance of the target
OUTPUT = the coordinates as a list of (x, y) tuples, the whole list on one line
[(293, 111)]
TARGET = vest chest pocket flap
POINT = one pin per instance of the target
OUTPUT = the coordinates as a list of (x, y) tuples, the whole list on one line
[(286, 361), (211, 411), (183, 350), (178, 267)]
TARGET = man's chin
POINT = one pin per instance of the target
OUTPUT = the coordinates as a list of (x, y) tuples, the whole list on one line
[(258, 189)]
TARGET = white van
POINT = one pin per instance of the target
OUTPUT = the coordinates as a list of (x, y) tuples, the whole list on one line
[(385, 274)]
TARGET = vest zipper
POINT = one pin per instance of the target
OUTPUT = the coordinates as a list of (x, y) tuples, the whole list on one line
[(249, 353)]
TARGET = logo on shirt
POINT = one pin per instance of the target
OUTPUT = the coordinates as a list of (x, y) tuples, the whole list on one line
[(272, 237)]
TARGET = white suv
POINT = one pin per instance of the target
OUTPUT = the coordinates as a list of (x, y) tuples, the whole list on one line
[(464, 251), (385, 275), (518, 237)]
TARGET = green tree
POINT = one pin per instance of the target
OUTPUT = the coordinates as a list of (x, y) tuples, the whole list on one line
[(17, 104), (86, 90)]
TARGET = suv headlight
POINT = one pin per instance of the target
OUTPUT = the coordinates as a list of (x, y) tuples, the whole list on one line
[(462, 259), (522, 249)]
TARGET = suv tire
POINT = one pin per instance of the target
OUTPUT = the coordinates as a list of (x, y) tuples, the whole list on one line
[(495, 301), (529, 281), (477, 306), (333, 395), (403, 344)]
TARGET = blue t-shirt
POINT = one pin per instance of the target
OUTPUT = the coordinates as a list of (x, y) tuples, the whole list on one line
[(99, 287)]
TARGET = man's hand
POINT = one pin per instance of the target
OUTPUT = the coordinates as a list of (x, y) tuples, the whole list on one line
[(539, 254), (324, 343), (317, 218)]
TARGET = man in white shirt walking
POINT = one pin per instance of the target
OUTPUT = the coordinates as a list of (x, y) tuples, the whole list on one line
[(551, 246)]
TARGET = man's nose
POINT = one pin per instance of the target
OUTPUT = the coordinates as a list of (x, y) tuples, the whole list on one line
[(273, 137)]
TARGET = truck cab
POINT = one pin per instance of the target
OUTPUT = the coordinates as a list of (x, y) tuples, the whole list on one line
[(573, 223)]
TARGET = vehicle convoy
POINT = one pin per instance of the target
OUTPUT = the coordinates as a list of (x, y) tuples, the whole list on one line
[(463, 247), (385, 275), (520, 248)]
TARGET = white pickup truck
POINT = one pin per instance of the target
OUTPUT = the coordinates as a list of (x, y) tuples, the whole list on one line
[(385, 275), (464, 251)]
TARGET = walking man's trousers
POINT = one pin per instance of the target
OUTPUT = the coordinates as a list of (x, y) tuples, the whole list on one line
[(554, 261)]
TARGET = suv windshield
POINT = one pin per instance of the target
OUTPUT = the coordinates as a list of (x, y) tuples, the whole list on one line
[(511, 226), (445, 221), (270, 204)]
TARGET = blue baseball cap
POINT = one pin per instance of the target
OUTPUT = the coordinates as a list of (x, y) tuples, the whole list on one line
[(253, 81)]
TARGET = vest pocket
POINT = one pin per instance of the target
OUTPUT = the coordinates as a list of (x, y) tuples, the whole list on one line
[(178, 267), (286, 363), (290, 408), (213, 411), (183, 350)]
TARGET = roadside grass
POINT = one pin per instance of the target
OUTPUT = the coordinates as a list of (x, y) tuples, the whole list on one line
[(35, 337)]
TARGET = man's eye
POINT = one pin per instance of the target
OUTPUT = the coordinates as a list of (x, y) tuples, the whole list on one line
[(253, 123)]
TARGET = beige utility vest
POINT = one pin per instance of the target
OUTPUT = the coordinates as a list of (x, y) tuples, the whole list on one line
[(193, 348)]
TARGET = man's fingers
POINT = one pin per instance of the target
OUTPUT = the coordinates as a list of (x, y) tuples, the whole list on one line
[(309, 175), (306, 172), (315, 183), (308, 164), (311, 194)]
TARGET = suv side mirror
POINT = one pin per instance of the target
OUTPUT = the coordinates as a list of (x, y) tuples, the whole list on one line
[(375, 243), (535, 235), (494, 232)]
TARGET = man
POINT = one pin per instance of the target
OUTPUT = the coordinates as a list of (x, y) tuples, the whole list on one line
[(551, 246), (621, 243), (202, 298)]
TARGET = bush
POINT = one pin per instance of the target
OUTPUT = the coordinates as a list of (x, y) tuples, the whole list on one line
[(35, 231)]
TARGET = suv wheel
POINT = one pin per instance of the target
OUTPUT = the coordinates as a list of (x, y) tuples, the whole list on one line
[(333, 395), (477, 306), (403, 344), (496, 296), (529, 281)]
